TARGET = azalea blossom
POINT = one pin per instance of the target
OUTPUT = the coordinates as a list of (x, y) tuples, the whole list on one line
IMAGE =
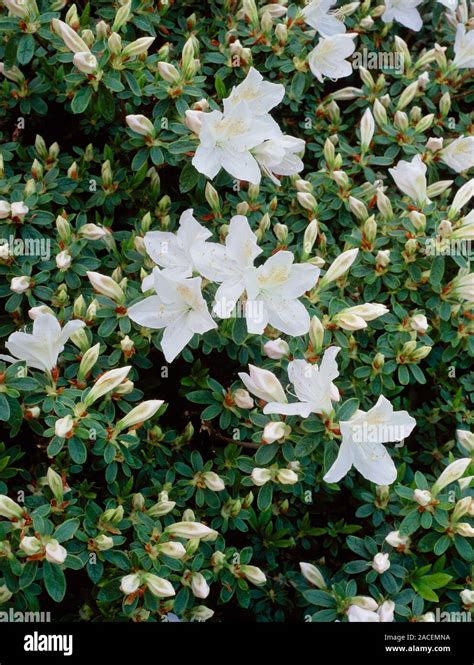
[(260, 96), (226, 264), (173, 251), (273, 290), (362, 446), (279, 156), (463, 47), (226, 140), (313, 386), (328, 58), (459, 154), (178, 307), (41, 348), (410, 178), (403, 12), (316, 14)]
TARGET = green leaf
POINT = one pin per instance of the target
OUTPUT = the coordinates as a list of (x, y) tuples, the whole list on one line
[(4, 407), (66, 530), (265, 496), (26, 49), (188, 178), (81, 100), (410, 523), (54, 581), (77, 450)]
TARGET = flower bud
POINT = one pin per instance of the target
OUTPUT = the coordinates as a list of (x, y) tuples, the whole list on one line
[(452, 472), (381, 562), (274, 431), (190, 530), (313, 575), (63, 426), (55, 483), (367, 127), (419, 323), (286, 477), (9, 508), (139, 414), (260, 476), (168, 72), (253, 574), (276, 349), (243, 399), (20, 284), (140, 125), (339, 266), (85, 62), (30, 545), (106, 286), (213, 481), (103, 542), (422, 497), (55, 553), (466, 439), (307, 200), (105, 384)]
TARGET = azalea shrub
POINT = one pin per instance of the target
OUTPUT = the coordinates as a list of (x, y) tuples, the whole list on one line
[(237, 310)]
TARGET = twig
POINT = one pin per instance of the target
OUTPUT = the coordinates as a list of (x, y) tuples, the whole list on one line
[(207, 427)]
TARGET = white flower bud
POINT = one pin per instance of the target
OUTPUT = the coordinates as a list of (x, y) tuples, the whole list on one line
[(63, 426), (85, 62), (419, 322), (199, 586), (63, 260), (168, 72), (130, 583), (367, 127), (9, 508), (30, 545), (20, 284), (190, 530), (141, 125), (213, 481), (276, 349), (55, 553), (253, 574), (452, 472), (107, 286), (466, 439), (286, 477), (243, 399), (422, 497), (313, 575), (139, 414), (339, 266), (381, 562), (274, 431), (260, 476), (55, 483)]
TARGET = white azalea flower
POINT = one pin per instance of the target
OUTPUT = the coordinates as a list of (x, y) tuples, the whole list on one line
[(464, 48), (459, 154), (328, 58), (226, 140), (279, 156), (173, 251), (55, 553), (410, 178), (40, 348), (313, 385), (450, 4), (226, 264), (362, 439), (273, 290), (403, 12), (260, 96), (178, 307), (316, 14)]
